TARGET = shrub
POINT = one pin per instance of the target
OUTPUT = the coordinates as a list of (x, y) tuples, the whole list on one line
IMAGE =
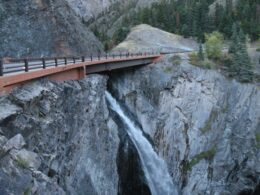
[(27, 191), (168, 69), (208, 64), (257, 137), (214, 44), (176, 60), (209, 154), (194, 59)]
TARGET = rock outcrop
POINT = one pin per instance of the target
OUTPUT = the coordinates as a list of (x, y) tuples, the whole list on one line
[(36, 28), (88, 9), (58, 138), (204, 125), (147, 38)]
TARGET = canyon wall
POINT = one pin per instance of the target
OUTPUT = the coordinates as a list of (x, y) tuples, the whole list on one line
[(58, 138), (204, 125)]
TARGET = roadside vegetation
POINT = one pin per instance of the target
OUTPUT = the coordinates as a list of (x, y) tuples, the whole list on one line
[(235, 62)]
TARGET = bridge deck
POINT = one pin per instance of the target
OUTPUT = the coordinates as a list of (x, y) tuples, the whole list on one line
[(15, 72)]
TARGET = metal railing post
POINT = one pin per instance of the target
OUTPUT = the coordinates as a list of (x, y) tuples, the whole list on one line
[(56, 62), (74, 60), (43, 63), (83, 58), (91, 57), (26, 67), (1, 67), (65, 61)]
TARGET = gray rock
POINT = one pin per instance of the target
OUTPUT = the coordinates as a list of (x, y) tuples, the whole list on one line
[(7, 109), (204, 125), (31, 159), (16, 142), (61, 31), (67, 126), (139, 40), (3, 140)]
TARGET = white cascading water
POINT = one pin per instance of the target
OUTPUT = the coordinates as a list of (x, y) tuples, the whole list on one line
[(155, 169)]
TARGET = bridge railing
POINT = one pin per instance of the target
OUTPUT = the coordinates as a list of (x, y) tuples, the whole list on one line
[(11, 65)]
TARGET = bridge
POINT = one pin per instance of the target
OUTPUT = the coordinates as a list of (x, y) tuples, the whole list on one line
[(16, 72)]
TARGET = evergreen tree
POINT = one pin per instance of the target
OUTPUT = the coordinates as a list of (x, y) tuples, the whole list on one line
[(201, 54), (185, 30), (234, 39), (241, 65), (245, 69)]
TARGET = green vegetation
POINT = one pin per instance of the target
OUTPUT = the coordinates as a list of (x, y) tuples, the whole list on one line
[(192, 18), (27, 191), (257, 137), (22, 162), (239, 65), (168, 69), (214, 44), (236, 62), (176, 60), (196, 61), (258, 49), (213, 116), (209, 154)]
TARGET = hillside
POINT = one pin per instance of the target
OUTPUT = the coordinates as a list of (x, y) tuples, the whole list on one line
[(43, 28), (147, 38), (89, 9)]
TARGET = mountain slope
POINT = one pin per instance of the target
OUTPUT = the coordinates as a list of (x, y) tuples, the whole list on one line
[(147, 38), (88, 9), (43, 28)]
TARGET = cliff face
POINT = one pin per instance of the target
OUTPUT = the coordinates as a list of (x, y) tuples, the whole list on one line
[(43, 28), (109, 22), (58, 138), (205, 126), (88, 9)]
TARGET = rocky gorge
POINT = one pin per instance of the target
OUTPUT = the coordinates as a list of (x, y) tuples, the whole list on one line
[(65, 137), (61, 138)]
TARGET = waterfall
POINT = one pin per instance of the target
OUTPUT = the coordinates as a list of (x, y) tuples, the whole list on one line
[(155, 169)]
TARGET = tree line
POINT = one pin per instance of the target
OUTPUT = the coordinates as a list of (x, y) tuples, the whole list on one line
[(194, 18)]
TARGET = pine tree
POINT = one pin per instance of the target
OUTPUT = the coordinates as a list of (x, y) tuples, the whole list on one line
[(201, 54), (241, 65), (234, 39), (245, 69)]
